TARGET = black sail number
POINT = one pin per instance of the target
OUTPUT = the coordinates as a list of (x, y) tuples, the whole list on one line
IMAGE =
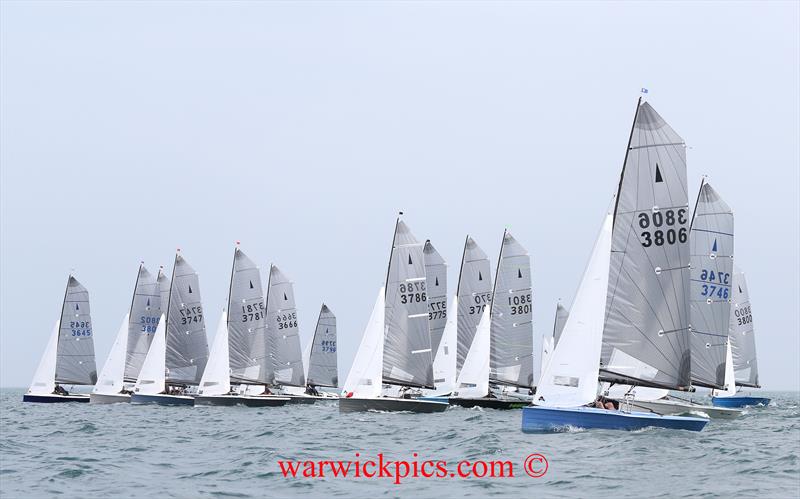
[(659, 228)]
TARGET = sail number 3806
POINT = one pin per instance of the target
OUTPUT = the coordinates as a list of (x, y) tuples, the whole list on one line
[(652, 224)]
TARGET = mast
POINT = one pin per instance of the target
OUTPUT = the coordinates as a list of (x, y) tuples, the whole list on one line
[(625, 160)]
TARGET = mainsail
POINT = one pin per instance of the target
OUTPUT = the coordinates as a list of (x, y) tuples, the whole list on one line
[(558, 326), (646, 335), (511, 338), (283, 331), (742, 334), (711, 240), (142, 322), (246, 323), (407, 358), (75, 363), (322, 366), (186, 344), (474, 296), (436, 280)]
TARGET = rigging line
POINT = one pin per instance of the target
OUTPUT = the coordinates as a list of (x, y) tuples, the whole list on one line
[(713, 232), (659, 145)]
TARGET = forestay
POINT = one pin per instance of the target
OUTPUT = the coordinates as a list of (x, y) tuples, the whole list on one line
[(569, 378), (474, 295), (647, 316), (247, 332), (436, 283), (283, 331), (511, 360), (75, 364), (143, 319), (186, 343), (711, 240), (742, 333), (407, 358), (322, 366)]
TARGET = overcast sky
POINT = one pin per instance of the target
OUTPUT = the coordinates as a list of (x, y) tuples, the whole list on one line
[(131, 129)]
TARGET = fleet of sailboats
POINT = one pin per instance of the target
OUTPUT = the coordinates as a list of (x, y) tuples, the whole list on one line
[(660, 309)]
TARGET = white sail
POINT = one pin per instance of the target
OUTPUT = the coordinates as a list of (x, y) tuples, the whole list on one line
[(152, 377), (548, 345), (44, 380), (473, 380), (444, 364), (111, 379), (365, 376), (730, 376), (216, 378), (570, 377)]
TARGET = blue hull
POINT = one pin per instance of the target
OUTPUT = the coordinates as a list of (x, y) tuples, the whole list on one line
[(739, 401), (55, 399), (162, 399), (546, 419)]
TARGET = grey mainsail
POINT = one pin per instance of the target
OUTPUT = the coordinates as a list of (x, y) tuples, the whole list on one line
[(143, 320), (742, 333), (511, 337), (75, 363), (562, 314), (283, 331), (436, 280), (474, 295), (322, 366), (187, 346), (711, 241), (407, 357), (646, 334), (247, 346), (163, 287)]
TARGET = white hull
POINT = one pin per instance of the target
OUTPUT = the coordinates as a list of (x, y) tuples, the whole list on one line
[(109, 398), (674, 407)]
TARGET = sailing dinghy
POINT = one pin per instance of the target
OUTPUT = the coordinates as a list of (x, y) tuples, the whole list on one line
[(238, 355), (500, 360), (323, 370), (179, 349), (711, 242), (130, 347), (396, 346), (742, 367), (631, 309), (68, 358)]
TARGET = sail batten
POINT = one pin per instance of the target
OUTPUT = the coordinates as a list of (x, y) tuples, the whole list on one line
[(646, 335), (407, 359), (186, 343), (511, 351), (75, 363), (474, 296), (246, 324), (322, 363), (143, 317), (283, 331), (742, 334)]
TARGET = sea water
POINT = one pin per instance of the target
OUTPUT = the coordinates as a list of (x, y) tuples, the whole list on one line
[(123, 450)]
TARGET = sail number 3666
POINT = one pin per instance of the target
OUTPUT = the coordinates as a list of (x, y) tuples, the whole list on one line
[(653, 233)]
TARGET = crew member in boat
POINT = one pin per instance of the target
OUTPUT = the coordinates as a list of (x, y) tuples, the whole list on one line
[(311, 390), (59, 390), (604, 403)]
